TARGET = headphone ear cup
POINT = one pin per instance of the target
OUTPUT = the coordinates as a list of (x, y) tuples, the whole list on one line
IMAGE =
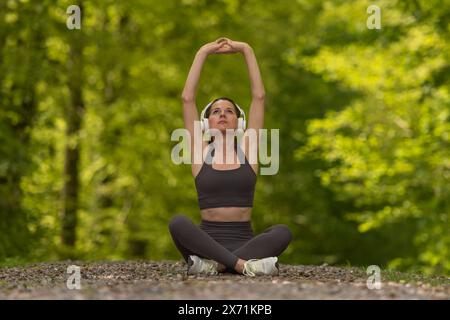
[(205, 125), (241, 123)]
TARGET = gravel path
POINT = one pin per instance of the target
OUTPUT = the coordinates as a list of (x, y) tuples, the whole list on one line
[(168, 280)]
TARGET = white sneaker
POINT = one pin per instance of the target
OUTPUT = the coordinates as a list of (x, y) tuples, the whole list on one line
[(259, 267), (197, 265)]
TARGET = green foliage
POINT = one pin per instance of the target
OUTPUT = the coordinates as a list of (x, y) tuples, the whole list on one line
[(388, 151)]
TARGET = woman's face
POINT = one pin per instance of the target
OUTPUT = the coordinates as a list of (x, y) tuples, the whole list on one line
[(223, 116)]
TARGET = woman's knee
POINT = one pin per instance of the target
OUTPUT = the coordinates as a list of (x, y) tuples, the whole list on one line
[(284, 233), (177, 223)]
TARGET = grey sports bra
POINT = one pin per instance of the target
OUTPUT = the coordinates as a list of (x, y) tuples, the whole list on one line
[(225, 188)]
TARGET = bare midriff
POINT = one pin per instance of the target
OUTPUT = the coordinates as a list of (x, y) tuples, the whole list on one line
[(227, 214)]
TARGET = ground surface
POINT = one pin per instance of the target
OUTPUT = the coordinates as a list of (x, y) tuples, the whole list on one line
[(168, 280)]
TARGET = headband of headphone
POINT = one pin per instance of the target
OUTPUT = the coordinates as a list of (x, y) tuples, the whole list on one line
[(204, 122)]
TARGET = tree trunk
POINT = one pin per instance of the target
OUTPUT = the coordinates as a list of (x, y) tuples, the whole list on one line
[(74, 117)]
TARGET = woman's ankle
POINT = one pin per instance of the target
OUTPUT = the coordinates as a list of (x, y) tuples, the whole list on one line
[(239, 267)]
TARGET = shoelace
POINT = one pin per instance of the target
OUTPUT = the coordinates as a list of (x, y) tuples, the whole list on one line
[(207, 267), (210, 268), (249, 268)]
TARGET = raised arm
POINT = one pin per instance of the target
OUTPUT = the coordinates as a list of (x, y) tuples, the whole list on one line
[(190, 87), (190, 113), (256, 114), (256, 83)]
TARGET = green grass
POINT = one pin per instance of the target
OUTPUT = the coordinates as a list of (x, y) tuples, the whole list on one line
[(417, 278), (414, 278), (13, 262)]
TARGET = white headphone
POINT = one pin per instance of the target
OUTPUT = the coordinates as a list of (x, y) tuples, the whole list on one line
[(205, 121)]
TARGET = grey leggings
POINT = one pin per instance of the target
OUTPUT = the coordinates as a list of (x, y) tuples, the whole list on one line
[(226, 242)]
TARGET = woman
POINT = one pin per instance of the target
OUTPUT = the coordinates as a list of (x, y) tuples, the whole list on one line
[(224, 240)]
